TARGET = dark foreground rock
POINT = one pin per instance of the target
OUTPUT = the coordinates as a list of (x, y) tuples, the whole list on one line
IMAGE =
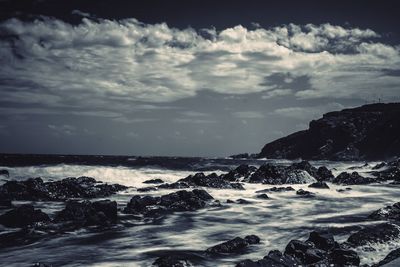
[(321, 185), (380, 233), (234, 245), (304, 193), (172, 261), (178, 201), (387, 213), (153, 181), (276, 189), (319, 250), (351, 134), (22, 216), (34, 189)]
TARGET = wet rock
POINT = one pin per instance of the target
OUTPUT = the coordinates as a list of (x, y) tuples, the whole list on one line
[(199, 179), (86, 213), (304, 193), (322, 240), (393, 255), (23, 215), (243, 201), (172, 261), (379, 166), (324, 174), (321, 185), (344, 190), (178, 201), (262, 196), (234, 245), (344, 257), (379, 233), (305, 252), (21, 237), (276, 257), (153, 181), (4, 173), (387, 213), (352, 179), (392, 173), (34, 189), (299, 177), (241, 172), (276, 189)]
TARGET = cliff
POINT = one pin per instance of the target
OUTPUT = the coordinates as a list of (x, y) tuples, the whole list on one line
[(369, 132)]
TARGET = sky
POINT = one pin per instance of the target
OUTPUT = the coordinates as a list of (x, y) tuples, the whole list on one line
[(186, 78)]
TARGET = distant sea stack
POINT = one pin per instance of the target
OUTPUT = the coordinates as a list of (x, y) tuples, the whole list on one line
[(369, 132)]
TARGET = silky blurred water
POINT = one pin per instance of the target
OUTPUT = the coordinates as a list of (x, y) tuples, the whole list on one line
[(283, 217)]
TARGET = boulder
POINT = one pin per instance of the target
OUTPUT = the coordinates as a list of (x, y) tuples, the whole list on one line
[(241, 172), (324, 174), (22, 216), (172, 261), (153, 181), (199, 179), (344, 257), (262, 196), (322, 240), (276, 189), (304, 193)]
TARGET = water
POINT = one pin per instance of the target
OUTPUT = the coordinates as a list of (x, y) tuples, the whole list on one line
[(283, 217)]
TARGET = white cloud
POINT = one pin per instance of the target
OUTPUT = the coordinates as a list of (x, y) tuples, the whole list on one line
[(104, 66)]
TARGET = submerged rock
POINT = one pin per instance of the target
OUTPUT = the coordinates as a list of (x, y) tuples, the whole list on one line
[(304, 193), (23, 215), (262, 196), (153, 181), (178, 201), (276, 189), (172, 261), (35, 189), (234, 245)]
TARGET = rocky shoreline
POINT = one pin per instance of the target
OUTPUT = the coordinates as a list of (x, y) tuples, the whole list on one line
[(86, 206)]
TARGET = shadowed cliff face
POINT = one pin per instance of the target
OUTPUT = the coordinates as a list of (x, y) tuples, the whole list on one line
[(368, 132)]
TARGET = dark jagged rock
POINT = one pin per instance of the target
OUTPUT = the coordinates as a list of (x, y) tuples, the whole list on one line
[(352, 179), (321, 185), (322, 240), (305, 252), (86, 213), (172, 261), (199, 179), (147, 189), (304, 193), (276, 189), (344, 190), (178, 201), (153, 181), (4, 173), (23, 215), (368, 132), (262, 196), (393, 255), (379, 166), (242, 171), (387, 213), (35, 189), (234, 245), (392, 173), (243, 201), (379, 233)]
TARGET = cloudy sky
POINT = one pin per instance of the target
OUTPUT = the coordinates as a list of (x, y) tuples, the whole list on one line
[(191, 78)]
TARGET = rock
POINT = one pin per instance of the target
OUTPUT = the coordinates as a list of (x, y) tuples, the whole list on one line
[(387, 213), (234, 245), (5, 203), (263, 196), (284, 259), (322, 240), (344, 190), (172, 261), (304, 193), (178, 201), (321, 185), (351, 134), (34, 189), (392, 173), (240, 156), (276, 189), (379, 166), (299, 177), (199, 179), (243, 201), (305, 252), (23, 215), (344, 257), (21, 237), (4, 173), (324, 174), (379, 233), (153, 181), (352, 179), (241, 172), (147, 189), (393, 255), (86, 213)]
